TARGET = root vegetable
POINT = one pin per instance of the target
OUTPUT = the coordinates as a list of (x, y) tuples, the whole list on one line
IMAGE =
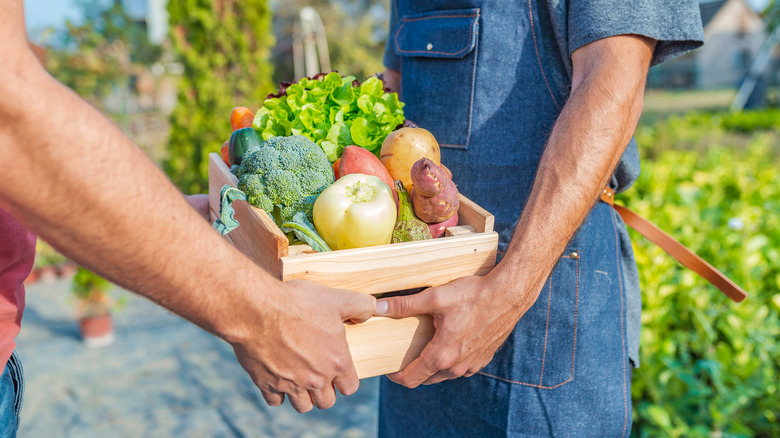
[(437, 230), (403, 147), (434, 196), (356, 159)]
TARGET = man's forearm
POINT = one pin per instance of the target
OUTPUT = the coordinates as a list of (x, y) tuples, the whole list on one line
[(95, 202), (586, 143)]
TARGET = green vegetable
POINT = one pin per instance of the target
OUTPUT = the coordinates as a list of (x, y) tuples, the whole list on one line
[(408, 227), (332, 112), (305, 231), (283, 176), (240, 142), (226, 223), (709, 363)]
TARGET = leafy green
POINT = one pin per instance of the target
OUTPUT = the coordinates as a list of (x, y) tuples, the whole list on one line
[(709, 366), (305, 231), (334, 112), (225, 223)]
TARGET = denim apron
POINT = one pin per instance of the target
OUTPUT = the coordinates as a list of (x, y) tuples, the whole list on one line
[(475, 75)]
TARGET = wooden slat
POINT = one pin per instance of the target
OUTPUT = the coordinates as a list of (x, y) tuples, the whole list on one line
[(459, 230), (379, 345), (469, 213), (399, 266), (385, 345), (300, 249), (219, 175), (257, 236)]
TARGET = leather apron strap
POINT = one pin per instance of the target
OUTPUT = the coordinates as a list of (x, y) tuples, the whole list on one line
[(674, 248)]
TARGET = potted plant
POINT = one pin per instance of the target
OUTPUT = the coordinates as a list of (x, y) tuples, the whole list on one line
[(47, 263), (94, 307)]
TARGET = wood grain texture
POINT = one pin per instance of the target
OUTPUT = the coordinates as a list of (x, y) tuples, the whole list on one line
[(257, 236), (384, 345), (379, 345), (469, 213), (399, 266)]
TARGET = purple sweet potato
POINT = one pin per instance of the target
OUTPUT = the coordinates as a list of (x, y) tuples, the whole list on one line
[(438, 229), (434, 195)]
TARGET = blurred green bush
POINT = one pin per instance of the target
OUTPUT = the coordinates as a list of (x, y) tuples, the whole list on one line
[(709, 366)]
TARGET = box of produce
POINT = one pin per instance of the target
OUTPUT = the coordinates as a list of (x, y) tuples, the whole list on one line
[(304, 193)]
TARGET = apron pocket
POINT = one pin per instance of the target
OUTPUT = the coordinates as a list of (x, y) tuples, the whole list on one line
[(540, 350), (438, 62)]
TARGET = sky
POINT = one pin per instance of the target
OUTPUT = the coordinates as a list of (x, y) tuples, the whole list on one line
[(53, 13)]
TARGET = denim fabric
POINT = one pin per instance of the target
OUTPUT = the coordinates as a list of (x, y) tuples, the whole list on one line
[(489, 80), (11, 396), (564, 371)]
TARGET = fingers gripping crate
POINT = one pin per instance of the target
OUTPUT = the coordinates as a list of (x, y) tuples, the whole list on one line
[(380, 345)]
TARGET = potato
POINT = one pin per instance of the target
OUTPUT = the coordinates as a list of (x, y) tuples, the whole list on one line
[(403, 147)]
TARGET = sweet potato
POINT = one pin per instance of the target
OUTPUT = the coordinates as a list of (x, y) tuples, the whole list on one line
[(434, 196), (336, 165), (438, 229), (356, 159)]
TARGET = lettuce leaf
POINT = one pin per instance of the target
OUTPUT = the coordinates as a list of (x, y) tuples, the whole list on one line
[(332, 111)]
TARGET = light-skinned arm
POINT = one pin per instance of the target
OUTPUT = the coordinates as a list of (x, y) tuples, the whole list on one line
[(473, 316), (74, 179)]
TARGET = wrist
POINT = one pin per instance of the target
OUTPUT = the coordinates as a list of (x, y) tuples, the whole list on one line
[(517, 284)]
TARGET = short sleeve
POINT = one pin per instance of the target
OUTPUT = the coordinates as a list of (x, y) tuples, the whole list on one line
[(391, 60), (676, 25)]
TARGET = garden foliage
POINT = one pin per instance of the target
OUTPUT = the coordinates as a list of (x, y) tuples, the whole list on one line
[(709, 366), (224, 47)]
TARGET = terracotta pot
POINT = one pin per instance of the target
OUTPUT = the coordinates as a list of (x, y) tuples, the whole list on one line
[(97, 331), (67, 269), (47, 274)]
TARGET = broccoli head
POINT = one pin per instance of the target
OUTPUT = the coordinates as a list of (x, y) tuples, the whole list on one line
[(285, 175)]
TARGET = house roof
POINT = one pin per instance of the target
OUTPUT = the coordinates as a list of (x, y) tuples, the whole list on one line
[(709, 9)]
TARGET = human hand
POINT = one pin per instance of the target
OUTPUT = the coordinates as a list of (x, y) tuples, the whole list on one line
[(300, 349), (472, 316)]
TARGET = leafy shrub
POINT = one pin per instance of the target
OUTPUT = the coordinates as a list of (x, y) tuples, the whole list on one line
[(709, 366)]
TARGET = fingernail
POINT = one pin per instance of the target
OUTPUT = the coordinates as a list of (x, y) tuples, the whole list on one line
[(381, 307)]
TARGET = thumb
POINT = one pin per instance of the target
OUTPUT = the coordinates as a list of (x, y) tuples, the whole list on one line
[(358, 307), (406, 305)]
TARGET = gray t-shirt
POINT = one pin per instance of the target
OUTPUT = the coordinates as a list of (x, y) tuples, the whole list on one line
[(510, 76)]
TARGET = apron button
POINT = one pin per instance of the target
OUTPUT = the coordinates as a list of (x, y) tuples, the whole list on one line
[(574, 255), (429, 46)]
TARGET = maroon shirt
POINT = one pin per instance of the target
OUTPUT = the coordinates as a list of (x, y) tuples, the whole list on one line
[(17, 253)]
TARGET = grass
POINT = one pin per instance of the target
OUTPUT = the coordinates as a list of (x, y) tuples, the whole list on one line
[(660, 104)]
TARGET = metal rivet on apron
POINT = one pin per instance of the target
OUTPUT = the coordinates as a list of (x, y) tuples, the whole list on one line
[(574, 255), (429, 46)]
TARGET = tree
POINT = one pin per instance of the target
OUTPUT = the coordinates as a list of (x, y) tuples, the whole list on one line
[(102, 53), (224, 47), (771, 14)]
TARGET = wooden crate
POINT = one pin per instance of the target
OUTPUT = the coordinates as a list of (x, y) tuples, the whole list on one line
[(379, 345)]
